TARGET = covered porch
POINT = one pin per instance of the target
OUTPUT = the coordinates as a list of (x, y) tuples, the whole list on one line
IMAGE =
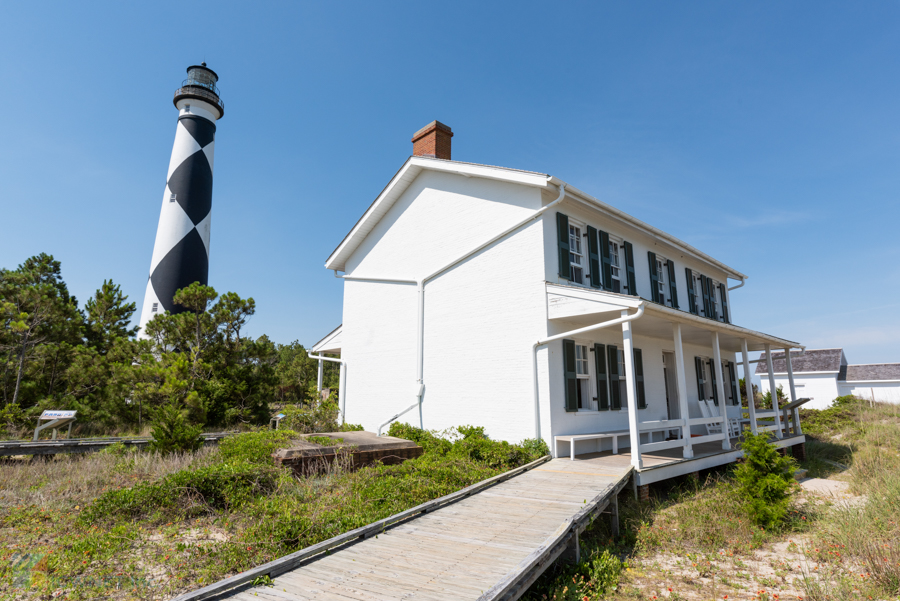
[(705, 437)]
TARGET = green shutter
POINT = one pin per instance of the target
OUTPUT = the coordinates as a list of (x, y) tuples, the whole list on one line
[(654, 278), (712, 381), (629, 268), (594, 258), (732, 375), (673, 287), (605, 259), (639, 378), (704, 290), (600, 368), (724, 292), (562, 234), (612, 354), (701, 382), (692, 295), (569, 375)]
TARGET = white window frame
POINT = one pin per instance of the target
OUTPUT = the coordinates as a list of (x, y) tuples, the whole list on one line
[(716, 305), (698, 292), (615, 263), (587, 379), (576, 239), (662, 273)]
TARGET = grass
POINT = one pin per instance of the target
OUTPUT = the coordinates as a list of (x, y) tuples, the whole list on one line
[(695, 540), (122, 524)]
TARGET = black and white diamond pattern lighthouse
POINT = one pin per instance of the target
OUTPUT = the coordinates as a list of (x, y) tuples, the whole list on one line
[(181, 251)]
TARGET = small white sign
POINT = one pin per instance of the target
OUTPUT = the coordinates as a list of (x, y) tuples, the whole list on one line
[(56, 414), (279, 416)]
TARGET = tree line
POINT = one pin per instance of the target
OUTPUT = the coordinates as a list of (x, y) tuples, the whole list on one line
[(58, 354)]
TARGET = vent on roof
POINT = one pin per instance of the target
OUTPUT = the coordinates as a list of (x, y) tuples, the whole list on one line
[(433, 140)]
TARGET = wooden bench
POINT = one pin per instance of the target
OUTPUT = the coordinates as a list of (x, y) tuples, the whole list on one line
[(572, 438)]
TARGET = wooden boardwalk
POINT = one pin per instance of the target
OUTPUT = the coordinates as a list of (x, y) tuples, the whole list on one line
[(490, 545)]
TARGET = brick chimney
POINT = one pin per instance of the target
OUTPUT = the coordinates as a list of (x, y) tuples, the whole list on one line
[(433, 140)]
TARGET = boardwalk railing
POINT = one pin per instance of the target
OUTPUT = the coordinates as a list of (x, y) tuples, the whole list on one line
[(289, 562), (517, 581), (83, 445)]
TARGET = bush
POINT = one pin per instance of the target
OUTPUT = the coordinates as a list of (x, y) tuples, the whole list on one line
[(187, 492), (320, 417), (766, 480), (172, 433), (471, 442), (254, 447)]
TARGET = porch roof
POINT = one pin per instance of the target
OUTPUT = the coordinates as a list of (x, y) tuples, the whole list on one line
[(331, 343), (583, 307)]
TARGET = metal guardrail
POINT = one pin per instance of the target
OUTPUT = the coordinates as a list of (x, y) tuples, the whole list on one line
[(200, 92), (11, 448)]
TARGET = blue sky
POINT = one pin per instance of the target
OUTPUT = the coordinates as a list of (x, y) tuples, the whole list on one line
[(764, 133)]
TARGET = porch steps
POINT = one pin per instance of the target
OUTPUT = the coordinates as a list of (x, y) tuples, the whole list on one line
[(487, 542)]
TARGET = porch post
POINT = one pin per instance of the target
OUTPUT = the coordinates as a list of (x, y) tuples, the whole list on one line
[(681, 382), (795, 414), (631, 393), (773, 391), (748, 386), (319, 379), (720, 385)]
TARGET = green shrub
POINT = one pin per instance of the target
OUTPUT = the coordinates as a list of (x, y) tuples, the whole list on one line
[(319, 417), (254, 447), (766, 480), (473, 444), (172, 433), (187, 493), (351, 428)]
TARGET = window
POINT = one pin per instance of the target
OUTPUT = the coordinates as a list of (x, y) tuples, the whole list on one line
[(713, 303), (155, 307), (661, 283), (696, 290), (614, 266), (576, 256), (173, 197), (583, 377), (623, 386)]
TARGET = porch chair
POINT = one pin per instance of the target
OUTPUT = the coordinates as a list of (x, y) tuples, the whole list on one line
[(734, 424), (710, 428)]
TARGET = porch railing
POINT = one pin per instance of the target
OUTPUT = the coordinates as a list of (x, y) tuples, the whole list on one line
[(684, 430)]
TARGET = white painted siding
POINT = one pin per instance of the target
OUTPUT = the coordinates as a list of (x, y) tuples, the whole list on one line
[(481, 317), (884, 392), (822, 388), (582, 422), (642, 244)]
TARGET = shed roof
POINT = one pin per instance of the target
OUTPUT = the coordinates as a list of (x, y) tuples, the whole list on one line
[(827, 360), (873, 372)]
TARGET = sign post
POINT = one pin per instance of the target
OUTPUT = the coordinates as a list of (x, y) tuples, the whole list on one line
[(55, 419)]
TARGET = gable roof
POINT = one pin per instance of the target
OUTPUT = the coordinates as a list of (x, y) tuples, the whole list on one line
[(872, 372), (827, 360), (414, 165)]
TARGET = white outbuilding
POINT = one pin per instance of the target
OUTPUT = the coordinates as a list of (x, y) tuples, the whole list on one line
[(823, 375)]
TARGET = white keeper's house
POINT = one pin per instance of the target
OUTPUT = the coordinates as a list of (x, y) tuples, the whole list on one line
[(823, 375), (510, 299)]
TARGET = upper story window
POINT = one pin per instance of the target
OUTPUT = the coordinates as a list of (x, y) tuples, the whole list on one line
[(576, 254), (695, 290), (581, 361), (713, 293), (614, 266)]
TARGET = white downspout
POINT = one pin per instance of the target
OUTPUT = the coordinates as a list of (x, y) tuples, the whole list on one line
[(599, 326), (420, 285), (738, 286), (342, 382)]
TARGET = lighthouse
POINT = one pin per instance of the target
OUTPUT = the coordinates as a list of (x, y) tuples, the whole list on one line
[(181, 250)]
